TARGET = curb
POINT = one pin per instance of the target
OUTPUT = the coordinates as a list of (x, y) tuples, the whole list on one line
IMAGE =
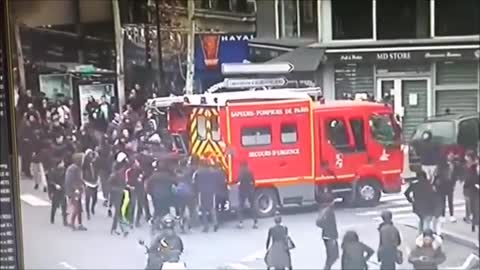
[(453, 237)]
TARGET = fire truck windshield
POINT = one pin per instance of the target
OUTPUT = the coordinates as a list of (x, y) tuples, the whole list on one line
[(385, 130)]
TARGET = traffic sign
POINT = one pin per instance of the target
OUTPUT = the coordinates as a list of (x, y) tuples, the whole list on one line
[(257, 68), (250, 83)]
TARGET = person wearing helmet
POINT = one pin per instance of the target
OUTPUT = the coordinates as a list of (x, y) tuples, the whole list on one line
[(167, 246)]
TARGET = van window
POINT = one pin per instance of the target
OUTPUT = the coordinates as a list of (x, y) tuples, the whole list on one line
[(215, 128), (202, 127), (468, 133), (288, 133), (358, 134), (258, 136), (337, 134), (443, 132)]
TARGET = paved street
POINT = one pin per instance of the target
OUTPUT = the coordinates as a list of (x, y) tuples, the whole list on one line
[(56, 247)]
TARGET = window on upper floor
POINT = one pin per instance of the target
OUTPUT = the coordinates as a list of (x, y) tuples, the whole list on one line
[(240, 6), (298, 18), (352, 19), (403, 19), (457, 18)]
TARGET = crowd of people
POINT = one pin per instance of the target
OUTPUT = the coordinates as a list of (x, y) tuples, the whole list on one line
[(131, 162), (124, 156)]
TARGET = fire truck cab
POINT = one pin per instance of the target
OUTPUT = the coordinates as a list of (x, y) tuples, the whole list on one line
[(296, 147)]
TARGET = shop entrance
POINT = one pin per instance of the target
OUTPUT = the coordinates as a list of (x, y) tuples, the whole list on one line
[(409, 98)]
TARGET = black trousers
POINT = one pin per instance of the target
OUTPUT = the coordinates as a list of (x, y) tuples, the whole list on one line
[(116, 201), (141, 205), (58, 200), (388, 266), (331, 247), (91, 194), (447, 196), (243, 198)]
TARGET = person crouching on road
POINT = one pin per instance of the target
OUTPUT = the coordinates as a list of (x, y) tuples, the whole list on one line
[(117, 185), (56, 181), (74, 189), (91, 182), (428, 253), (328, 223), (390, 240), (246, 192)]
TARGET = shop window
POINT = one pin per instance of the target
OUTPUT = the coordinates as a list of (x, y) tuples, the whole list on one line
[(288, 133), (337, 134), (258, 136), (352, 19), (403, 19), (308, 19), (241, 6), (456, 73), (358, 134), (202, 127), (457, 18), (215, 129), (287, 18)]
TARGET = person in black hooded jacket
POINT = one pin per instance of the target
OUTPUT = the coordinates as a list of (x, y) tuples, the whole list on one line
[(422, 200), (91, 183), (389, 242), (355, 253), (246, 193), (328, 223), (56, 183)]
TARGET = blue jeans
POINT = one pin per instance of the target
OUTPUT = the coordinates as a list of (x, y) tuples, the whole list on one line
[(425, 223)]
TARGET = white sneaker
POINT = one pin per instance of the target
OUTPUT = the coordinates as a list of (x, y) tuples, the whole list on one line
[(442, 219), (453, 219)]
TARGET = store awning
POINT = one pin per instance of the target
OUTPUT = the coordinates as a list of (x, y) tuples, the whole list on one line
[(303, 59)]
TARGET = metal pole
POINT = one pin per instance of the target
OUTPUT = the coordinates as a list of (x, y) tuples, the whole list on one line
[(161, 76), (191, 48), (119, 54)]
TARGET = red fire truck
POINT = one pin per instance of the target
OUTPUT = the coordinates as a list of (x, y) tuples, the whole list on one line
[(296, 147)]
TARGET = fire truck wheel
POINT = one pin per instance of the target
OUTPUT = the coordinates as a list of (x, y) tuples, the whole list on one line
[(368, 193), (266, 201)]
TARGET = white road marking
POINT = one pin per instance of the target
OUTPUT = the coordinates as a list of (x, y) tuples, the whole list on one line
[(467, 262), (398, 210), (410, 215), (254, 256), (34, 200), (235, 266), (66, 265)]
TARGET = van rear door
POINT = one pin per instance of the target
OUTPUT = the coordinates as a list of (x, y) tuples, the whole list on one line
[(274, 138)]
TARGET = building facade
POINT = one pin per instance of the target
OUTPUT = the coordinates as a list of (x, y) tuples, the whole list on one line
[(222, 31), (424, 53)]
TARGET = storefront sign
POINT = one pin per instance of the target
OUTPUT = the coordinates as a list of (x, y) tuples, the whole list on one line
[(211, 50), (248, 83), (270, 112), (404, 56)]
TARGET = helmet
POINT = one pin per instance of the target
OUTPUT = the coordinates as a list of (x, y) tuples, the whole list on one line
[(168, 221)]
